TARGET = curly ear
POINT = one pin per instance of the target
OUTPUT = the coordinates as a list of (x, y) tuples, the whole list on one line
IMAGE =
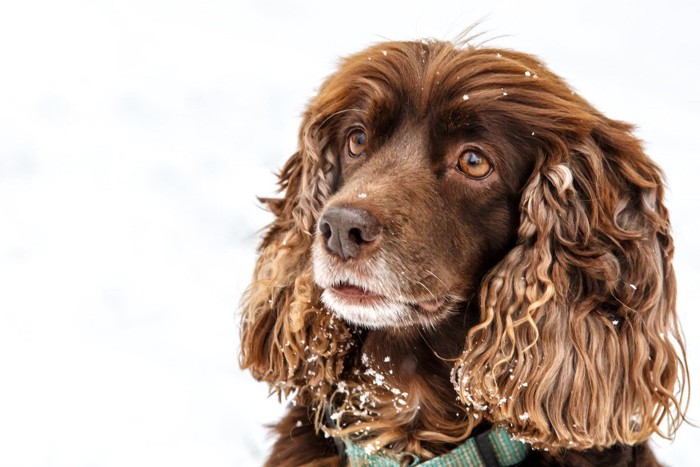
[(579, 344), (287, 338)]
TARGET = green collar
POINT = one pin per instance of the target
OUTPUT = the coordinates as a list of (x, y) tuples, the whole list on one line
[(493, 448)]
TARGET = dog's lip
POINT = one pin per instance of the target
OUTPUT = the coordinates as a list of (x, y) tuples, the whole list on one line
[(362, 295), (354, 292), (431, 305)]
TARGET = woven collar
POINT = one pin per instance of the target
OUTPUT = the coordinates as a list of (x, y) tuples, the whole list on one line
[(493, 448)]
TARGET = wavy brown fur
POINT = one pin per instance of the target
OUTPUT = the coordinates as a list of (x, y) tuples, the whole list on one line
[(575, 325)]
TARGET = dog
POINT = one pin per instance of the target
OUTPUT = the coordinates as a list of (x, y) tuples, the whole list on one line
[(465, 246)]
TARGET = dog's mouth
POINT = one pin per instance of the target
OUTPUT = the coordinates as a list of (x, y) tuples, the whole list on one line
[(354, 295), (379, 297)]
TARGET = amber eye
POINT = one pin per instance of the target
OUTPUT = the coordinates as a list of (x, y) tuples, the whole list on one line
[(357, 142), (474, 165)]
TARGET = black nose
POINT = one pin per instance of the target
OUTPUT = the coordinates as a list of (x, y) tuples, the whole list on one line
[(346, 230)]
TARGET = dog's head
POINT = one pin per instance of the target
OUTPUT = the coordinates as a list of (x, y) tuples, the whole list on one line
[(428, 174)]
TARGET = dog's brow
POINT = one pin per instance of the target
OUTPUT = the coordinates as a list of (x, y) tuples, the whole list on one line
[(334, 114)]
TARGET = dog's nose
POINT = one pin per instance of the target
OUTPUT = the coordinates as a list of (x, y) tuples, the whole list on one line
[(346, 230)]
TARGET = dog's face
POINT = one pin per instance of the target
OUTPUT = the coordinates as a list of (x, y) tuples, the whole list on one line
[(426, 200)]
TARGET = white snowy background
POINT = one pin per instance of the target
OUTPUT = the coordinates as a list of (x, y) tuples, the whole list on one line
[(134, 137)]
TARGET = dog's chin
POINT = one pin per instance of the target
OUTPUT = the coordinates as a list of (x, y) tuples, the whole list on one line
[(372, 311)]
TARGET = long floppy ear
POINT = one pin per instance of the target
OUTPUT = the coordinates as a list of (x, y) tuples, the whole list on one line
[(579, 344), (287, 338)]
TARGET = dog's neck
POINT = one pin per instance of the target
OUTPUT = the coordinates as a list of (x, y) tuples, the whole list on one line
[(434, 349), (415, 365)]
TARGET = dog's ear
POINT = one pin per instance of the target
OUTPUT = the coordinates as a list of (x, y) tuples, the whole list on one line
[(579, 344), (287, 338)]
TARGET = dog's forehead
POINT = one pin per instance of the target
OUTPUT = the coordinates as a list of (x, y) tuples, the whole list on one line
[(423, 78), (451, 85)]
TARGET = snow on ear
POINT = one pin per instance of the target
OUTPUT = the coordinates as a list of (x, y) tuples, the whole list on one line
[(287, 338), (579, 344)]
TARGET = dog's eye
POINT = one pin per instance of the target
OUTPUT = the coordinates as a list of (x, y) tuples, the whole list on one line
[(357, 141), (474, 165)]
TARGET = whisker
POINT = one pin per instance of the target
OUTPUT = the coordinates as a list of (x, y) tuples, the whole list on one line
[(436, 277), (427, 342), (427, 289)]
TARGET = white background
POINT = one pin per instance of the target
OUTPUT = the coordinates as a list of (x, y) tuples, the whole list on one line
[(134, 137)]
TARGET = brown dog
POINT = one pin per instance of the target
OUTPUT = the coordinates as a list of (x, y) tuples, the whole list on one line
[(464, 243)]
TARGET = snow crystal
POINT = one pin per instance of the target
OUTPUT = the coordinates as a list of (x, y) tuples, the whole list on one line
[(465, 97), (362, 195), (299, 423), (615, 322), (384, 52), (527, 73), (387, 359), (524, 416), (364, 397), (505, 93), (634, 286)]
